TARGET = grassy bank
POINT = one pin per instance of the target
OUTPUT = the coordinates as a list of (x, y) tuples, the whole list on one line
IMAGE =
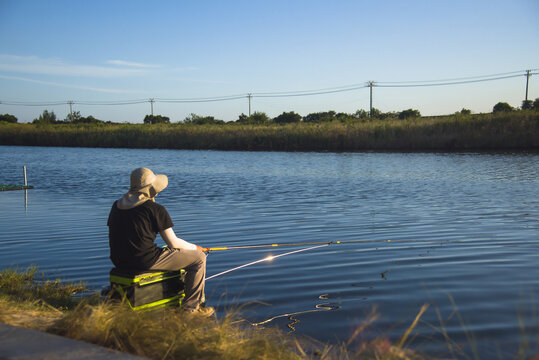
[(27, 301), (499, 131)]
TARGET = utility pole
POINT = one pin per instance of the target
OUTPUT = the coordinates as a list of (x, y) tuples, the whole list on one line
[(527, 81), (151, 103), (70, 110), (370, 108), (249, 96)]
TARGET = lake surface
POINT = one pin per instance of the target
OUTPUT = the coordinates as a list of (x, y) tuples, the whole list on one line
[(464, 230)]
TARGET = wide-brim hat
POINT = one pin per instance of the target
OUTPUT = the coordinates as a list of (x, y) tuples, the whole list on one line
[(144, 181)]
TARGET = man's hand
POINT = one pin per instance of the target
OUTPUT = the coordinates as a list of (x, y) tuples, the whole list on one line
[(200, 248)]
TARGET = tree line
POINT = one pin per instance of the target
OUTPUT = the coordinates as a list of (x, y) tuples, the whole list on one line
[(49, 117)]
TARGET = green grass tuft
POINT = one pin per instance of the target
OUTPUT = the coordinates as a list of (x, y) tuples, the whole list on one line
[(24, 286)]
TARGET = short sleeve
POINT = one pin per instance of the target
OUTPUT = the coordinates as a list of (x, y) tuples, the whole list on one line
[(163, 220)]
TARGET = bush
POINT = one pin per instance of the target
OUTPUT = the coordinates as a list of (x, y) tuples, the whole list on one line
[(536, 104), (410, 113), (324, 116), (287, 117), (201, 120), (74, 117), (527, 105), (46, 118), (87, 120), (465, 111), (8, 118), (361, 114), (502, 107), (378, 114), (256, 118), (156, 119), (77, 118), (259, 118)]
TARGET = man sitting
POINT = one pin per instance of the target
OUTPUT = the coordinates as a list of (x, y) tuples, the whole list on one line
[(134, 222)]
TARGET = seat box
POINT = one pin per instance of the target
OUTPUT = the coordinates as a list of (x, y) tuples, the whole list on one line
[(148, 289)]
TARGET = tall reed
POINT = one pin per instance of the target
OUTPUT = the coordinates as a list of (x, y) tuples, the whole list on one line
[(499, 131)]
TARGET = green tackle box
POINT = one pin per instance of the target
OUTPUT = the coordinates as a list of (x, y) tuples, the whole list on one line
[(147, 289)]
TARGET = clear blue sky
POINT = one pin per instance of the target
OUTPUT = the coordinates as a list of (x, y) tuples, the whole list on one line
[(123, 50)]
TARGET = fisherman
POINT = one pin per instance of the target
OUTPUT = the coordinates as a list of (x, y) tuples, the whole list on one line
[(134, 222)]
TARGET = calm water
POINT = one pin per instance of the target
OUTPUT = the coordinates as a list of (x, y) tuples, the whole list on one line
[(467, 225)]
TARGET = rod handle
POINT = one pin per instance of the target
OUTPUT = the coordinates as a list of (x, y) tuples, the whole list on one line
[(215, 249)]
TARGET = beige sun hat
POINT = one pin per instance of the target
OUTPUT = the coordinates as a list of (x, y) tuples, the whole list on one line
[(144, 181), (144, 186)]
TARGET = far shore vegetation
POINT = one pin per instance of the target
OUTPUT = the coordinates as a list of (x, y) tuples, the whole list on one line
[(27, 300), (505, 128)]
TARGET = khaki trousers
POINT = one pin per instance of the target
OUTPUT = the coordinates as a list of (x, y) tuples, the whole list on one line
[(194, 263)]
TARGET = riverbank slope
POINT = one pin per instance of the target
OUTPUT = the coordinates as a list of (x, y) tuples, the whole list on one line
[(167, 333)]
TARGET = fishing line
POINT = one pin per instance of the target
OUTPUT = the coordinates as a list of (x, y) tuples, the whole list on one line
[(268, 258), (318, 307)]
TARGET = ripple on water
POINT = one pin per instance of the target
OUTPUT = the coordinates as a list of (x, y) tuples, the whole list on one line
[(466, 225)]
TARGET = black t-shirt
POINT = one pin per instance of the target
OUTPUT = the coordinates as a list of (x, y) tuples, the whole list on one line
[(132, 234)]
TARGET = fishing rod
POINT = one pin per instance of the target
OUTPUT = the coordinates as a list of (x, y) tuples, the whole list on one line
[(296, 244), (271, 257), (268, 258)]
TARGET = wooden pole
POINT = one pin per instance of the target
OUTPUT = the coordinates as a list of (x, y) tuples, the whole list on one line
[(25, 190), (70, 110), (370, 107), (527, 80)]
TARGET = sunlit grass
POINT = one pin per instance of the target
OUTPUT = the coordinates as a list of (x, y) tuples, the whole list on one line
[(172, 334), (169, 333), (27, 300), (498, 131)]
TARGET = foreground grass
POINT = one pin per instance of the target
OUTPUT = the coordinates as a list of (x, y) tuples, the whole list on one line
[(498, 131), (168, 333)]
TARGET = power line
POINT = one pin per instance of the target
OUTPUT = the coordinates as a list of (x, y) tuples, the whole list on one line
[(112, 103), (309, 93), (25, 103), (196, 100), (411, 84), (335, 88), (249, 96), (520, 72)]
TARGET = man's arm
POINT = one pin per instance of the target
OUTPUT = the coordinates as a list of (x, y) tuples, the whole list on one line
[(175, 242)]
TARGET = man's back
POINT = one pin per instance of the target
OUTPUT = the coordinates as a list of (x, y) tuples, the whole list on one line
[(132, 234)]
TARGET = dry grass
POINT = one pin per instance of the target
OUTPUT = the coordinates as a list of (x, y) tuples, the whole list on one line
[(170, 333)]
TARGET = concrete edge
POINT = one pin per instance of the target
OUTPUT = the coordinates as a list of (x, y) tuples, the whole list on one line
[(17, 343)]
